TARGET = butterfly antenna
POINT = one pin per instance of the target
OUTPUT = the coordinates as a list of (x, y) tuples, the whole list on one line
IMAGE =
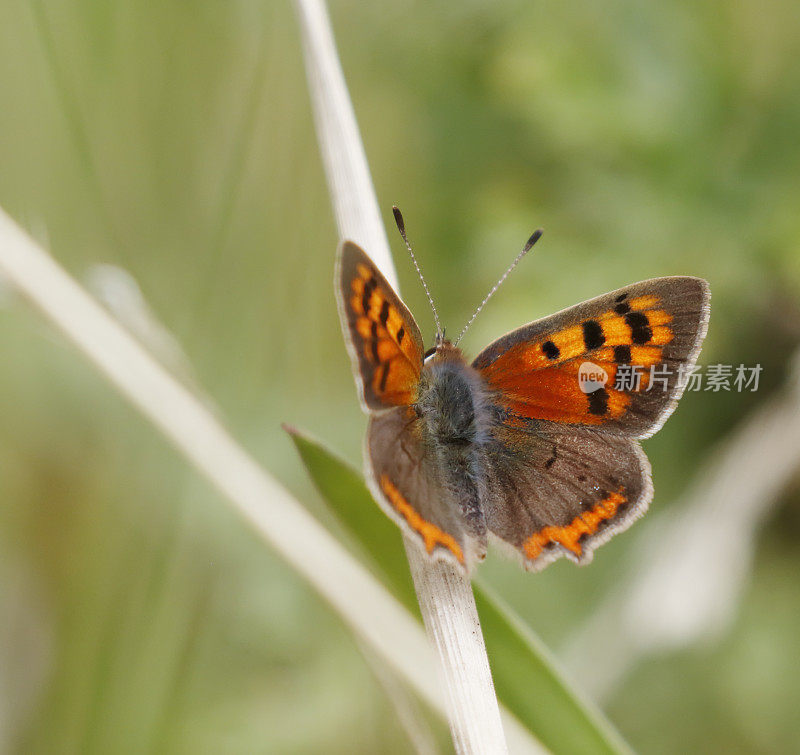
[(535, 236), (401, 226)]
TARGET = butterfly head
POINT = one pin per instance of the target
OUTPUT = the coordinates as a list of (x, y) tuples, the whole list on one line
[(442, 350)]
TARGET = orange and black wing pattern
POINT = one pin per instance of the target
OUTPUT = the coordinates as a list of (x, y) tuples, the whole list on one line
[(382, 337), (645, 338)]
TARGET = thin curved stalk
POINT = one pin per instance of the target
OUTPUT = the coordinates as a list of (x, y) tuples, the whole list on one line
[(444, 593)]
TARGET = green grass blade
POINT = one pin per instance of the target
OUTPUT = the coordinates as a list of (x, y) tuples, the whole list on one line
[(343, 488), (527, 678), (530, 683)]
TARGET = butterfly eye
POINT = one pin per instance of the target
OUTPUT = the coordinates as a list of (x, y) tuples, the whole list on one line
[(428, 354)]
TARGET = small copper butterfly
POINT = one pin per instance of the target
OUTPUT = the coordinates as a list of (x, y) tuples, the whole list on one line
[(535, 441)]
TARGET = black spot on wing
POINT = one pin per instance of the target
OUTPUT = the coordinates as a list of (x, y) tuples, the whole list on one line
[(641, 332), (374, 342), (593, 337), (400, 334), (369, 287), (622, 354), (621, 297), (384, 376), (384, 315), (598, 401), (622, 308), (551, 351)]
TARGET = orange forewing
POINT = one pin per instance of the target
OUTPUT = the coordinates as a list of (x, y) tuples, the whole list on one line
[(535, 386), (554, 394), (655, 324), (384, 336), (528, 356)]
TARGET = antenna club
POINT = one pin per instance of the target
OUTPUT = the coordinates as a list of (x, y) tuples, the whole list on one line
[(398, 218), (535, 236)]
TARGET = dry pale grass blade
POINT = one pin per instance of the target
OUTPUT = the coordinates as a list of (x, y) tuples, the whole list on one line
[(444, 594), (349, 181), (120, 292), (283, 522), (687, 576), (361, 601), (441, 590)]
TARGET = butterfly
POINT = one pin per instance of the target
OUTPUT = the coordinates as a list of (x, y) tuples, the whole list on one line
[(514, 444)]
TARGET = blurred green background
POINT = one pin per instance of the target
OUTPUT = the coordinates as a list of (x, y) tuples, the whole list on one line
[(175, 140)]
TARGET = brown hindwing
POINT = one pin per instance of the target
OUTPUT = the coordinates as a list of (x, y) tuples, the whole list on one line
[(411, 487), (559, 490)]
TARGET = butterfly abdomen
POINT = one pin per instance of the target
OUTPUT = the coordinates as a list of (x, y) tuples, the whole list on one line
[(451, 406)]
